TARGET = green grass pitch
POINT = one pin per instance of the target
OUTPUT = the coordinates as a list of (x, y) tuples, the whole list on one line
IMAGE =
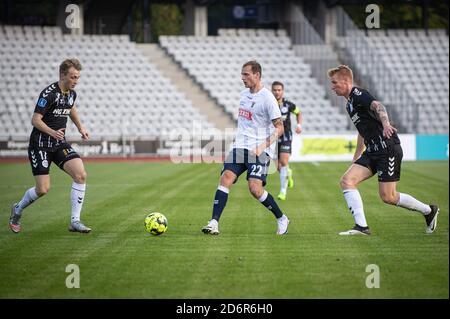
[(247, 260)]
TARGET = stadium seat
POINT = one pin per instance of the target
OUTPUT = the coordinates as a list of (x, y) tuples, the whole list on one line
[(112, 82)]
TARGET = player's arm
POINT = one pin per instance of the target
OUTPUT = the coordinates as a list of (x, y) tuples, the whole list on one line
[(76, 120), (279, 130), (360, 147), (299, 116), (381, 113), (38, 123)]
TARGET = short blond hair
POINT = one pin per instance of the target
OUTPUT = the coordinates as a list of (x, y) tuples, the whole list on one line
[(342, 70), (67, 64)]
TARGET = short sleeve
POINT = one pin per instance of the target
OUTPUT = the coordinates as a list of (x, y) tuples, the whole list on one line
[(365, 99), (294, 108), (44, 102), (272, 107)]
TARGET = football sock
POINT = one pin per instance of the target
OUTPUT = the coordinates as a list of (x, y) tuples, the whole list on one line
[(283, 179), (29, 197), (409, 202), (355, 204), (220, 200), (267, 200), (77, 198)]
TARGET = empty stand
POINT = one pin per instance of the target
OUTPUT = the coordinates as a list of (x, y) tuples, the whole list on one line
[(215, 62), (119, 93)]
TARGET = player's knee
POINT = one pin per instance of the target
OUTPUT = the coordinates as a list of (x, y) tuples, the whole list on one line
[(347, 182), (80, 177), (256, 190), (42, 190), (388, 198), (227, 179)]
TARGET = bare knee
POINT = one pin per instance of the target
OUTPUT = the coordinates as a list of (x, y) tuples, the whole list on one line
[(80, 177), (347, 182), (227, 179), (42, 190), (389, 198), (256, 190)]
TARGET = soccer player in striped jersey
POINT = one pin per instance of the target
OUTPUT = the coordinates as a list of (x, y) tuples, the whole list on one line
[(48, 144), (378, 151), (285, 141)]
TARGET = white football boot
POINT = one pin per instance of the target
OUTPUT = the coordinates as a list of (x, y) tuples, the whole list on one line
[(212, 228), (283, 223)]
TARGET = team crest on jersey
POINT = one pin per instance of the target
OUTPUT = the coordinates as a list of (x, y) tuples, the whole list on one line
[(42, 102), (284, 109), (70, 100)]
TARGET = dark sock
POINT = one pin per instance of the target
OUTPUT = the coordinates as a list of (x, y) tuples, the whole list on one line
[(220, 200), (268, 201)]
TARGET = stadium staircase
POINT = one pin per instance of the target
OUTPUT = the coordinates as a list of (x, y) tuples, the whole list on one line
[(185, 84), (215, 63)]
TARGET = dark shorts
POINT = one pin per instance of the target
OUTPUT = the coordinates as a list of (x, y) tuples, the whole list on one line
[(385, 164), (285, 147), (41, 158), (240, 160)]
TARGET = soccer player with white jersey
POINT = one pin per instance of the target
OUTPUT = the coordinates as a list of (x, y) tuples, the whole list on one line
[(48, 144), (378, 151), (259, 127)]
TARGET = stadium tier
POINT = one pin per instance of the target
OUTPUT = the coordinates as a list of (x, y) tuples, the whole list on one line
[(215, 63), (415, 65), (119, 93), (421, 62)]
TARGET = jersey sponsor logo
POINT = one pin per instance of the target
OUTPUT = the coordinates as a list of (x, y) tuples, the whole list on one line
[(355, 118), (42, 102), (61, 112), (357, 92), (246, 114)]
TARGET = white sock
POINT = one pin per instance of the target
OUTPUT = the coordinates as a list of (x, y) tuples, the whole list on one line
[(263, 196), (409, 202), (283, 179), (77, 198), (29, 197), (355, 204)]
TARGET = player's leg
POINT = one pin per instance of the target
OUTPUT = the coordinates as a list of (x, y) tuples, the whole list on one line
[(40, 162), (389, 195), (257, 190), (233, 167), (31, 195), (257, 169), (284, 174), (357, 173), (227, 179), (75, 168)]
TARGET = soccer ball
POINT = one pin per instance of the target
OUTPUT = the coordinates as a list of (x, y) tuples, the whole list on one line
[(155, 223)]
